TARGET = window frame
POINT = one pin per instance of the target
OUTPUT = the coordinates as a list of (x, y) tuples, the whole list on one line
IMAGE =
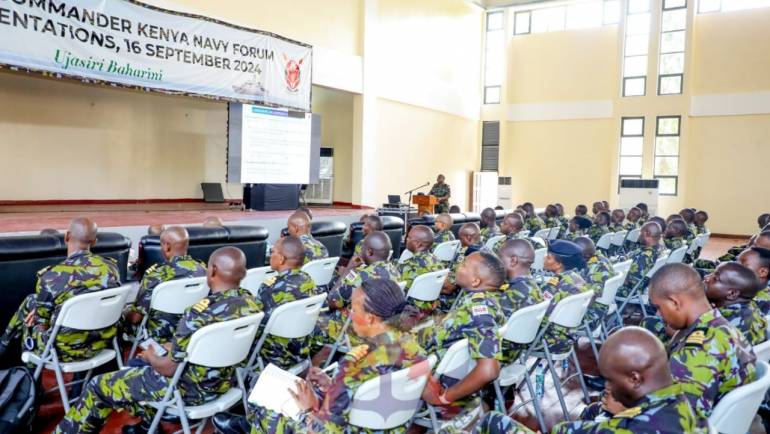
[(661, 53), (529, 22), (678, 135), (623, 120), (500, 94)]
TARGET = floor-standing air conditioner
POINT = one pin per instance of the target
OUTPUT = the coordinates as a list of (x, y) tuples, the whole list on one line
[(633, 191), (323, 191)]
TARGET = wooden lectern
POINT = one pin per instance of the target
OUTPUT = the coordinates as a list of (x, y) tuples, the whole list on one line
[(425, 203)]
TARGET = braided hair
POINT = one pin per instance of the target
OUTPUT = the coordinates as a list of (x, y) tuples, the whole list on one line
[(384, 298)]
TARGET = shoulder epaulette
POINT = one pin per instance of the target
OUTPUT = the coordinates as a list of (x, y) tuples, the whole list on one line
[(696, 338), (630, 412), (357, 353), (270, 281), (553, 281), (201, 305)]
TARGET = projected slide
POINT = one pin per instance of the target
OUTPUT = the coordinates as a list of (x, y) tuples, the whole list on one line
[(269, 145)]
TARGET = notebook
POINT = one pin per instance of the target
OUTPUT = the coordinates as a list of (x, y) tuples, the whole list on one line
[(272, 391)]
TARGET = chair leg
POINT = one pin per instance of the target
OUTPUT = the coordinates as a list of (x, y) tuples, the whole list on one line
[(590, 335), (60, 383), (87, 380), (433, 418), (337, 342), (182, 413), (500, 397), (137, 338), (580, 376), (202, 425), (536, 404), (556, 381)]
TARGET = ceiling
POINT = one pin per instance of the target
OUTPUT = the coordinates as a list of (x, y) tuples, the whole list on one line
[(490, 4)]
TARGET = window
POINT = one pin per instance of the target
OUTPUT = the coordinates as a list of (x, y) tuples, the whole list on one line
[(673, 31), (494, 57), (490, 146), (666, 170), (573, 16), (705, 6), (631, 148), (636, 48)]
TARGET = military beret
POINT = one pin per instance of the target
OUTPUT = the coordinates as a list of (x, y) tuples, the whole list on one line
[(564, 248), (582, 222)]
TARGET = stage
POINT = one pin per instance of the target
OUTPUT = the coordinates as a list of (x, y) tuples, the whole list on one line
[(132, 220)]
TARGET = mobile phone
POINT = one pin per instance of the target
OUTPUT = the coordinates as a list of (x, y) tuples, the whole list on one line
[(150, 342)]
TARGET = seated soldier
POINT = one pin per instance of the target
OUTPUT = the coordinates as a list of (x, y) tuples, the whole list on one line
[(731, 289), (477, 317), (578, 227), (563, 221), (598, 270), (80, 273), (565, 261), (325, 401), (126, 388), (675, 235), (177, 264), (642, 259), (308, 212), (645, 214), (606, 205), (633, 219), (757, 259), (689, 218), (489, 226), (596, 208), (552, 217), (469, 240), (443, 229), (618, 218), (455, 209), (289, 284), (372, 223), (213, 222), (707, 354), (581, 210), (532, 223), (375, 264), (661, 222), (419, 242), (513, 229), (299, 226), (700, 219), (155, 230), (600, 226), (734, 251)]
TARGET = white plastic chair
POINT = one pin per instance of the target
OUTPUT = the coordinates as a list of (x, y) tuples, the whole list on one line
[(677, 256), (292, 320), (405, 255), (90, 311), (537, 264), (618, 238), (492, 242), (568, 313), (255, 277), (522, 329), (371, 409), (633, 235), (637, 294), (457, 364), (623, 267), (543, 233), (762, 351), (447, 251), (605, 241), (735, 412), (427, 287), (609, 292), (321, 270), (554, 233), (219, 345), (173, 296)]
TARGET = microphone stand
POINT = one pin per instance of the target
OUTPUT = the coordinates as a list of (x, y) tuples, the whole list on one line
[(409, 205)]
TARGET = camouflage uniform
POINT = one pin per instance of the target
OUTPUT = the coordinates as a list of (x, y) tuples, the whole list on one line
[(126, 388), (516, 236), (558, 287), (692, 232), (487, 233), (762, 299), (571, 236), (700, 230), (596, 231), (447, 300), (518, 293), (161, 325), (477, 317), (563, 222), (379, 356), (552, 222), (82, 272), (439, 191), (314, 249), (674, 243), (443, 236), (420, 263), (664, 410), (642, 262), (498, 423), (598, 271), (284, 287), (710, 358), (629, 225), (533, 224), (747, 318), (617, 227)]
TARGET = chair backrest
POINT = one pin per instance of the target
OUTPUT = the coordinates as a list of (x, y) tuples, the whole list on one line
[(93, 310), (543, 233), (321, 270), (175, 296), (618, 238), (457, 361), (633, 236), (225, 343), (677, 256), (611, 287), (554, 233), (762, 351), (525, 234), (490, 245), (704, 239), (523, 325), (623, 267), (661, 261), (605, 241), (427, 287), (255, 277), (735, 412), (537, 264), (295, 319), (405, 255), (447, 250), (569, 312), (390, 400)]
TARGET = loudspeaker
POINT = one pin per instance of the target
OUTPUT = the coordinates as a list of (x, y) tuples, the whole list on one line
[(212, 192)]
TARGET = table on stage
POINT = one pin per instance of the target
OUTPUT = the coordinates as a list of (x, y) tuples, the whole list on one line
[(425, 203)]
